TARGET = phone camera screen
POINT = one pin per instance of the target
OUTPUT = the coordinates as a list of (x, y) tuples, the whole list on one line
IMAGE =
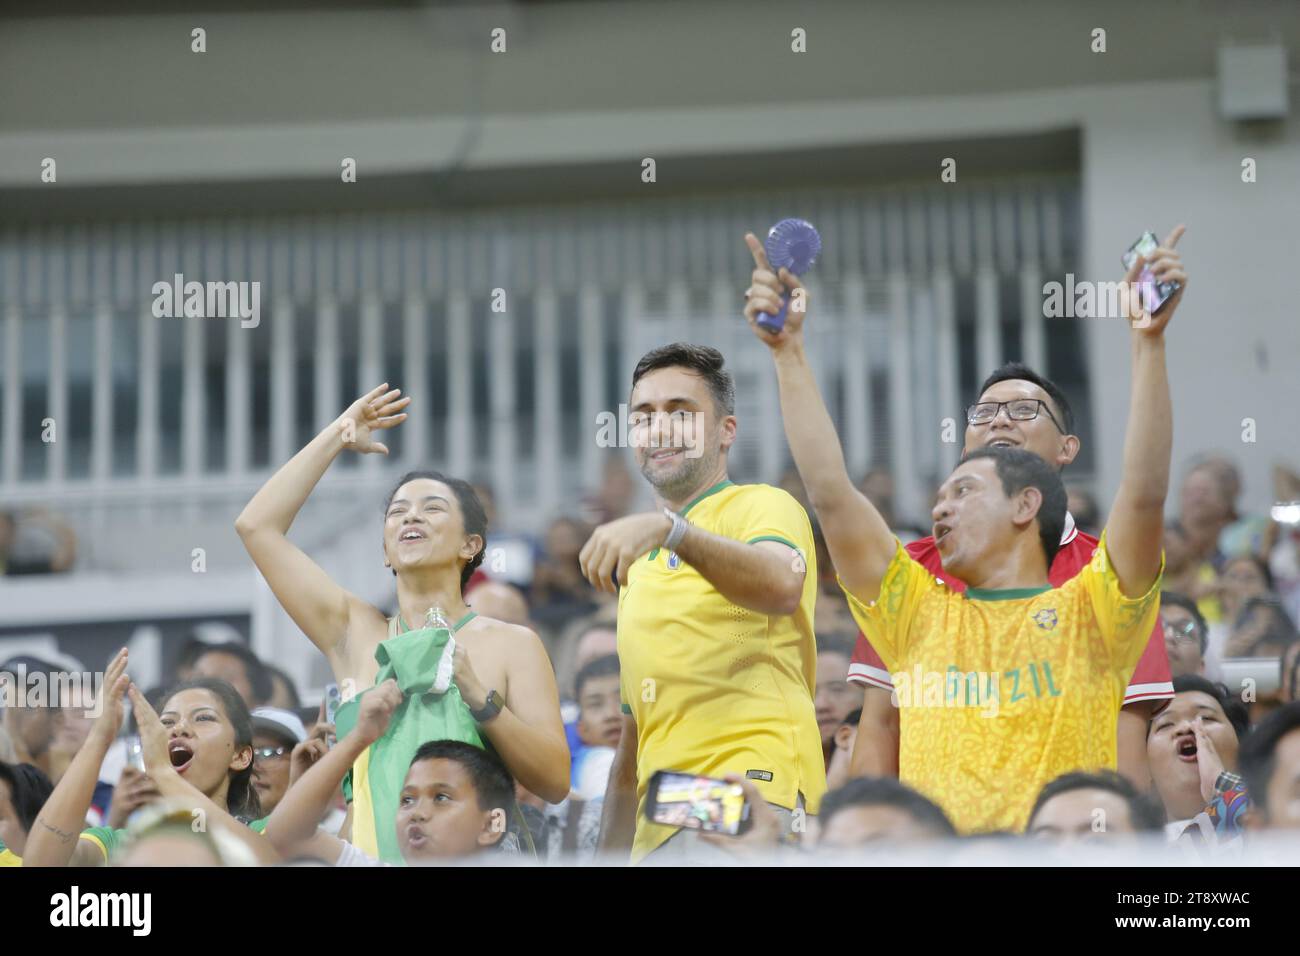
[(700, 803)]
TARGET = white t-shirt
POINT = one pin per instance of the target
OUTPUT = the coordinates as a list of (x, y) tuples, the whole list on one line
[(351, 856)]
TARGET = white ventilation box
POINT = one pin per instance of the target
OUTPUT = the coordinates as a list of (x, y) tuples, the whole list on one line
[(1253, 82)]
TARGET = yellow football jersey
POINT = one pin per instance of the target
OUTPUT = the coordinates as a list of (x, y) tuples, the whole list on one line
[(1000, 692), (717, 688)]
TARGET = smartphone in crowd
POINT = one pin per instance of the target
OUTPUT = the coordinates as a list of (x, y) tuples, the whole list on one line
[(1154, 294), (333, 698), (699, 803), (135, 752)]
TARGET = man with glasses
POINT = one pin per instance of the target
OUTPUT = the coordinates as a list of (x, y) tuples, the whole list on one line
[(275, 733), (1186, 633), (1048, 664), (1017, 408)]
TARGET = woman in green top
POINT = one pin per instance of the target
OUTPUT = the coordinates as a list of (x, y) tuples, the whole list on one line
[(199, 754)]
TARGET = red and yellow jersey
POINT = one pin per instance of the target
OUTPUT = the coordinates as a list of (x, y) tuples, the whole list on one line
[(1151, 684), (1000, 692)]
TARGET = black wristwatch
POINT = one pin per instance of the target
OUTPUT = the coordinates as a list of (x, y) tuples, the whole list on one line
[(490, 709)]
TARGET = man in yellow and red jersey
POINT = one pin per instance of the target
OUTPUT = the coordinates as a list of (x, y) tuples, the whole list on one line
[(1011, 683), (717, 660), (1017, 408)]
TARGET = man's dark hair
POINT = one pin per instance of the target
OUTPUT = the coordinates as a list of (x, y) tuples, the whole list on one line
[(703, 360), (1258, 754), (1188, 605), (29, 789), (885, 792), (1143, 814), (1233, 708), (295, 702), (606, 666), (835, 642), (473, 516), (258, 676), (1018, 371), (1019, 469), (492, 782)]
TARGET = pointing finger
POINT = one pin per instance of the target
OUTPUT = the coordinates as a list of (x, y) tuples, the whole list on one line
[(1171, 240), (757, 251)]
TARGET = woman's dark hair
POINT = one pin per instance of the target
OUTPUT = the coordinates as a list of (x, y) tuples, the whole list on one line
[(472, 514), (1233, 708), (241, 799), (1260, 565), (30, 788), (1258, 755), (1019, 469), (704, 361)]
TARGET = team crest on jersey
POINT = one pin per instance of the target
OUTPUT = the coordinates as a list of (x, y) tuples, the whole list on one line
[(674, 562), (1046, 619)]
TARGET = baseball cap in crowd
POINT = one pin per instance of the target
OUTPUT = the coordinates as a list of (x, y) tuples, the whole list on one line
[(281, 723)]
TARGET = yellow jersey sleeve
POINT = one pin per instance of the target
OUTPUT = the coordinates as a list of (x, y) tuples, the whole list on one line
[(887, 621), (1125, 623), (764, 513)]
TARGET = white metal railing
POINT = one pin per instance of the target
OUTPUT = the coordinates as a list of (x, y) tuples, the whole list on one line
[(401, 297)]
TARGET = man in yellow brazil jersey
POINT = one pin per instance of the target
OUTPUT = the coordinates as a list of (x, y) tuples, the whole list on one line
[(715, 619), (1012, 683)]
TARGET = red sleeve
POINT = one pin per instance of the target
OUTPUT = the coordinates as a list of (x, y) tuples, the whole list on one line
[(1151, 681), (867, 668)]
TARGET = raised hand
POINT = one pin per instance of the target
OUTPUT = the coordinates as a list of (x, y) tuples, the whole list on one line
[(377, 708), (377, 410), (766, 293), (154, 736), (109, 722), (1166, 266)]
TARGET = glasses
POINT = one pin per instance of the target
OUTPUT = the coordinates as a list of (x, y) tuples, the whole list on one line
[(1184, 633), (269, 753), (1020, 410)]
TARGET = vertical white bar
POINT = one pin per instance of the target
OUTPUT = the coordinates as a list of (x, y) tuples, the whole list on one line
[(56, 399), (460, 453), (546, 403), (900, 404), (591, 361), (370, 370), (1033, 334), (328, 406), (146, 436), (193, 434), (947, 367), (988, 331), (283, 376), (857, 376), (501, 401), (12, 420), (101, 427), (415, 357), (239, 434)]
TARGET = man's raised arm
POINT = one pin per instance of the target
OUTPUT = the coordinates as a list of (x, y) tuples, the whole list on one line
[(1135, 529), (860, 542)]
